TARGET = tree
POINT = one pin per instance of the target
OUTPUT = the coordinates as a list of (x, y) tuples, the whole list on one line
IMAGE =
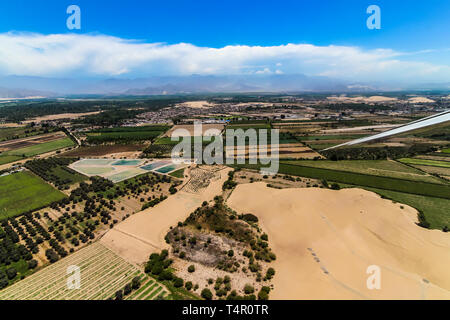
[(32, 264), (191, 268), (206, 294), (11, 273), (119, 295), (270, 273), (178, 283), (127, 289), (136, 283), (166, 275), (248, 289), (264, 293), (188, 285)]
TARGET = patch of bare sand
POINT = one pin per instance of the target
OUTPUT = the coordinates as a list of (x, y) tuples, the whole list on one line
[(420, 100), (139, 235), (325, 240), (197, 104), (61, 116), (11, 125)]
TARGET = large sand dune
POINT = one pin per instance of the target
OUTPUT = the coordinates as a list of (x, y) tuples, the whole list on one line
[(325, 240), (143, 233)]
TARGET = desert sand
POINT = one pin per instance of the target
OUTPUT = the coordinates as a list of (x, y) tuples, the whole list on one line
[(325, 240), (61, 116), (344, 98), (197, 104), (143, 233)]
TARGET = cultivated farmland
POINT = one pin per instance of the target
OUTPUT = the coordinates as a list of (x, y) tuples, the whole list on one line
[(387, 183), (23, 191), (384, 168), (102, 272), (125, 134), (424, 162)]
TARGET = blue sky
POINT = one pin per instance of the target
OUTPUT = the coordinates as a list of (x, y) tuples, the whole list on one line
[(415, 31)]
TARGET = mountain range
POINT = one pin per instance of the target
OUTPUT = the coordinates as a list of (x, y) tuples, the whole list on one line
[(25, 86)]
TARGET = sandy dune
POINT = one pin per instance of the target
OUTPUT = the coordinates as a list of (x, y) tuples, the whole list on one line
[(362, 99), (143, 233), (325, 240), (420, 100), (197, 104)]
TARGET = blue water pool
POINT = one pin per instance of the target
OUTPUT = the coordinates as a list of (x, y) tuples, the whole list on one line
[(155, 165), (127, 163), (167, 168)]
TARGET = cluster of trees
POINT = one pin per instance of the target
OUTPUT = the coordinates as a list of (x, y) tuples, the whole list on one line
[(12, 252), (154, 202), (127, 289), (355, 106), (377, 153), (45, 168), (229, 184), (222, 287), (159, 267)]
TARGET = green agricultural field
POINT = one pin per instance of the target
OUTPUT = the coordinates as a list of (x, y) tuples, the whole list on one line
[(387, 183), (446, 150), (384, 168), (245, 126), (158, 128), (8, 159), (23, 191), (178, 173), (41, 148), (425, 162)]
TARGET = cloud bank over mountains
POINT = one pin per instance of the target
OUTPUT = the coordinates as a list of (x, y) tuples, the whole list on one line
[(97, 55)]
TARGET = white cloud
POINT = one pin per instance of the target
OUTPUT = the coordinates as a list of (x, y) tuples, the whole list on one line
[(101, 55)]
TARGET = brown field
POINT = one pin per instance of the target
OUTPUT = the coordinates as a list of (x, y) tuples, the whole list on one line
[(143, 233), (325, 240), (11, 125), (61, 116), (291, 150), (277, 181), (190, 129)]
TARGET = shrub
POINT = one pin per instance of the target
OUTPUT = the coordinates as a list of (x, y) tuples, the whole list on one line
[(248, 289), (119, 295), (178, 283), (264, 293), (270, 273), (166, 275), (191, 268), (188, 285), (11, 273), (206, 294)]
